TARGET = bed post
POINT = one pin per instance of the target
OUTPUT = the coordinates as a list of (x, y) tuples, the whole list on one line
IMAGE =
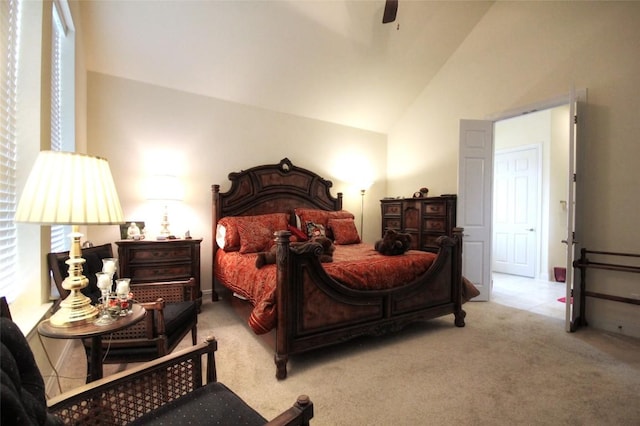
[(281, 357), (456, 279), (215, 214)]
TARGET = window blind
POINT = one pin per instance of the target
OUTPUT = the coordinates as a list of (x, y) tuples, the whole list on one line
[(58, 232), (9, 60)]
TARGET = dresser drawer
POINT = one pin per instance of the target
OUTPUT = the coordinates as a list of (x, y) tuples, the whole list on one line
[(435, 208), (391, 209), (435, 224), (429, 242), (391, 223)]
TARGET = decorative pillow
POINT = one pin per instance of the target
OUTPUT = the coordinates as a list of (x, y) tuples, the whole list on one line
[(254, 237), (297, 233), (221, 231), (320, 217), (227, 234), (344, 231), (315, 230), (272, 221)]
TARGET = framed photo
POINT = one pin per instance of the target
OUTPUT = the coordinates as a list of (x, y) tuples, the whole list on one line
[(124, 230)]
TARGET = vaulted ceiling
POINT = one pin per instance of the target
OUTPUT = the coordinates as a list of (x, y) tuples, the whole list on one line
[(330, 60)]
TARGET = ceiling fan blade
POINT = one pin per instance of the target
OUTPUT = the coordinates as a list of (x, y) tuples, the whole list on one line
[(390, 11)]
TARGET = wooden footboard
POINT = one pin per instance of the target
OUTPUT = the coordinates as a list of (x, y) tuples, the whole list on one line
[(314, 310)]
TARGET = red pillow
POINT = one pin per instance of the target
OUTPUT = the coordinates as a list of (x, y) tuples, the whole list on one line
[(344, 231), (254, 237), (231, 236)]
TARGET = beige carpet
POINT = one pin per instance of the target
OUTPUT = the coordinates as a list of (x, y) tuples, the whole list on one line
[(505, 367)]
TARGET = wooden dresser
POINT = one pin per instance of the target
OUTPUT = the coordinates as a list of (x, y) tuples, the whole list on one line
[(160, 260), (425, 219)]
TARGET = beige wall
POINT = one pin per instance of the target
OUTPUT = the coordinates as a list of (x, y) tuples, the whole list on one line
[(524, 53), (144, 129)]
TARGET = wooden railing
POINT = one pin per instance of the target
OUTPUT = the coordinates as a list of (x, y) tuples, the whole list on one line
[(584, 263)]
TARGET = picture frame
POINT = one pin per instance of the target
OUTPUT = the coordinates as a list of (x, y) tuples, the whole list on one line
[(124, 229)]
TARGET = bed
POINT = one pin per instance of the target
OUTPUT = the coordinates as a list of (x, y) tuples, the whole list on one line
[(300, 303)]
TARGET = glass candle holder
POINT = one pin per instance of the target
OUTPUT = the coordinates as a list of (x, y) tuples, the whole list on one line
[(110, 265), (104, 284), (122, 292)]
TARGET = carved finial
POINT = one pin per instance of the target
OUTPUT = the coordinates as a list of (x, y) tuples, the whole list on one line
[(285, 165)]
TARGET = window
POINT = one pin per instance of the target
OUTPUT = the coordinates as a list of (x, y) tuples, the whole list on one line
[(62, 99), (9, 62), (30, 32)]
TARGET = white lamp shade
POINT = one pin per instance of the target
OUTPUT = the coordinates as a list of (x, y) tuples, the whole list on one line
[(165, 188), (69, 188)]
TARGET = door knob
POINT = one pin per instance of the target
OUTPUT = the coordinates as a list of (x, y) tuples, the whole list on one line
[(530, 229)]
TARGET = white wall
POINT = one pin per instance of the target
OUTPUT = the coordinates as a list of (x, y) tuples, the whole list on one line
[(144, 129), (522, 53)]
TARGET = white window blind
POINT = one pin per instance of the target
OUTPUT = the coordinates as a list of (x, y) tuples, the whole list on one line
[(57, 231), (62, 111), (9, 59)]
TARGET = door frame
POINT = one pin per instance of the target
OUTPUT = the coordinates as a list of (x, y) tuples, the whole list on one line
[(574, 96)]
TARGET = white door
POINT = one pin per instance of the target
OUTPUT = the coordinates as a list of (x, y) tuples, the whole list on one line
[(475, 176), (573, 309), (515, 210)]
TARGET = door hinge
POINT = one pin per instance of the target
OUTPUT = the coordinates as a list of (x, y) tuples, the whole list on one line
[(575, 177), (575, 119)]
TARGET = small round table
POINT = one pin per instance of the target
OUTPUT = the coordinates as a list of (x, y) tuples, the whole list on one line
[(95, 332)]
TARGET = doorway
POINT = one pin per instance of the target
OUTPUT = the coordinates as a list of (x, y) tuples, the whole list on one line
[(529, 205)]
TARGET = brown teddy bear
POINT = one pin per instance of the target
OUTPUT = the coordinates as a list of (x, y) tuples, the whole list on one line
[(393, 243), (269, 257)]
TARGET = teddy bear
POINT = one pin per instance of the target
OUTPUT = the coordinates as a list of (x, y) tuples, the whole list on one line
[(393, 243), (269, 257)]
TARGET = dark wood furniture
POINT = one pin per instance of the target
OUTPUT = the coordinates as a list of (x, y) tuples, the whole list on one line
[(147, 261), (94, 333), (604, 260), (304, 290), (425, 219), (170, 390), (171, 306)]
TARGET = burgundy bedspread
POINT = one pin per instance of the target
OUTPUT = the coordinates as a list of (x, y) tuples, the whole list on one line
[(357, 266)]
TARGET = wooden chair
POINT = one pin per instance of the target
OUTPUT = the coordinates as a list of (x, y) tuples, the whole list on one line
[(171, 311), (179, 388)]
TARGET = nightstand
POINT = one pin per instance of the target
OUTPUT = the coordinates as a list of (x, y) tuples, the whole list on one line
[(147, 261)]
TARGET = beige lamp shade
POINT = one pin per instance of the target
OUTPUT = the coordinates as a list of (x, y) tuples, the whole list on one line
[(69, 188)]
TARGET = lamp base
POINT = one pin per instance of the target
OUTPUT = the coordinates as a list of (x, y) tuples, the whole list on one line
[(75, 310)]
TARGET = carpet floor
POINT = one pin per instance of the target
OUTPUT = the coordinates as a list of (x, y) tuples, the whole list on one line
[(506, 367)]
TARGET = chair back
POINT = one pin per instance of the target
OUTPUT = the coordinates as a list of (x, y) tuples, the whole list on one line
[(93, 263), (4, 308)]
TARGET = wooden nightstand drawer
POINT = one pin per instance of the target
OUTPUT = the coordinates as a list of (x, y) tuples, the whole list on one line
[(160, 254), (161, 272)]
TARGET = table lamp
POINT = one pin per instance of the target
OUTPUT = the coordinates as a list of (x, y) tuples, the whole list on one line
[(67, 188)]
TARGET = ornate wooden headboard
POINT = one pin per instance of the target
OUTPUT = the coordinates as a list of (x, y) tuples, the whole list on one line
[(273, 188)]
